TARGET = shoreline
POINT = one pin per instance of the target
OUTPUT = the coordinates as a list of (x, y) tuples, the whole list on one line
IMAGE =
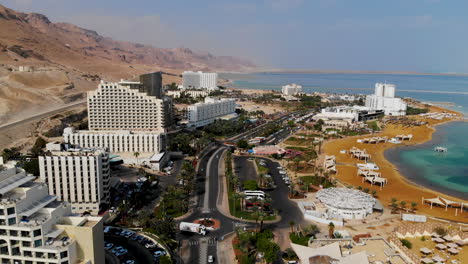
[(299, 71), (421, 182), (399, 186)]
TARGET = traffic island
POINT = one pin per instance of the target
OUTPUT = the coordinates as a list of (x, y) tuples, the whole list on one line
[(209, 223)]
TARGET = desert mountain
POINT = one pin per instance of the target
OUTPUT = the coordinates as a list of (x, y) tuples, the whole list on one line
[(69, 60)]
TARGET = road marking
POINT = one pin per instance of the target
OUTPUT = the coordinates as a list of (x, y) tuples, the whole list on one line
[(207, 181), (203, 250), (193, 242)]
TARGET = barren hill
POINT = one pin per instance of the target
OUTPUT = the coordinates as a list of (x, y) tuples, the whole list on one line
[(69, 60)]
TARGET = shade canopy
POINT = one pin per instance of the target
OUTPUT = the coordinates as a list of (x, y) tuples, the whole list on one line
[(425, 250), (453, 251), (438, 259), (441, 246)]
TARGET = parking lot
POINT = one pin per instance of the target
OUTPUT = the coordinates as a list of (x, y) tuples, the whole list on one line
[(130, 248)]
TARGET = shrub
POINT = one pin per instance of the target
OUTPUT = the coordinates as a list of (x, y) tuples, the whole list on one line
[(250, 185), (440, 231), (406, 243)]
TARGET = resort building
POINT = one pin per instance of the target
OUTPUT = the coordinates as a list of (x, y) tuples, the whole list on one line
[(36, 228), (291, 89), (188, 93), (128, 106), (347, 203), (384, 99), (117, 141), (200, 80), (202, 114), (77, 175), (349, 114)]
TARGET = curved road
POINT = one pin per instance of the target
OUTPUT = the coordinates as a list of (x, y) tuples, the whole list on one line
[(208, 190)]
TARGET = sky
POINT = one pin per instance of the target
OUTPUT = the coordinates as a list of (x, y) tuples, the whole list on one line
[(367, 35)]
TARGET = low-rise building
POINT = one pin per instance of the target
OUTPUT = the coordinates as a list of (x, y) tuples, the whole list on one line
[(291, 89), (77, 175), (202, 114), (117, 141), (36, 228), (189, 93)]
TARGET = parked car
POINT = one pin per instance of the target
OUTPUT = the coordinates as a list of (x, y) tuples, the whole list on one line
[(108, 246), (159, 253), (210, 259)]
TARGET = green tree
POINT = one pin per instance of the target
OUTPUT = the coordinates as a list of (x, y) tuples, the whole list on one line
[(250, 185), (242, 144), (413, 206)]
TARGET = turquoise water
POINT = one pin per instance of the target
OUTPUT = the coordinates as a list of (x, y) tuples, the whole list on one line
[(447, 173)]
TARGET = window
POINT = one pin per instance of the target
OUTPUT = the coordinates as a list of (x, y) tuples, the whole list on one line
[(37, 232), (26, 244), (25, 233), (37, 243), (64, 254), (10, 210), (11, 221)]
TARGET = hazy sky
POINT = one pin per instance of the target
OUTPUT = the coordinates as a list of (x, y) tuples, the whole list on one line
[(390, 35)]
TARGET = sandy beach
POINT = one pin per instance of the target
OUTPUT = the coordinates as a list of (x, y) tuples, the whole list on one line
[(398, 187)]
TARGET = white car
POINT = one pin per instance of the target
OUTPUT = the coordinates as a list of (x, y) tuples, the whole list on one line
[(282, 172), (210, 259)]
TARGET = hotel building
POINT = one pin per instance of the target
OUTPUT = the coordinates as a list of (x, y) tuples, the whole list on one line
[(291, 89), (202, 114), (117, 141), (128, 106), (200, 80), (37, 229), (384, 99), (77, 175)]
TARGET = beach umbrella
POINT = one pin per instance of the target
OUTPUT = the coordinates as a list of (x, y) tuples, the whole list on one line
[(453, 251)]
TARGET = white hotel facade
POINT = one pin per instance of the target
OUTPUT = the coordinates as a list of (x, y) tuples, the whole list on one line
[(200, 80), (37, 229), (384, 99), (78, 176), (291, 89), (117, 141), (121, 106), (202, 114)]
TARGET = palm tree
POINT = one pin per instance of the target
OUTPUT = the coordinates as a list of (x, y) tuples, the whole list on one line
[(291, 224), (413, 206), (374, 193), (331, 229), (403, 204), (235, 196), (136, 154)]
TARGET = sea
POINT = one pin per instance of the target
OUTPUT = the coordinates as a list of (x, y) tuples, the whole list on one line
[(446, 173)]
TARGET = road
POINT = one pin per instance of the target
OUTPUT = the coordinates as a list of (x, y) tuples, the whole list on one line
[(208, 190), (42, 115)]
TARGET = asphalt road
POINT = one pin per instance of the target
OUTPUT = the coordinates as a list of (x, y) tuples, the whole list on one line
[(202, 246), (244, 168), (42, 115)]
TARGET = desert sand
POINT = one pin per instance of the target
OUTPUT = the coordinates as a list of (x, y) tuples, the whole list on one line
[(398, 186)]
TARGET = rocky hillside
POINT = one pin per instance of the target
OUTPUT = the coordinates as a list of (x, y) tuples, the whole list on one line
[(69, 60), (32, 36)]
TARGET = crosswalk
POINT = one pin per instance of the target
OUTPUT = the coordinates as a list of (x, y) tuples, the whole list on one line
[(204, 241), (208, 210)]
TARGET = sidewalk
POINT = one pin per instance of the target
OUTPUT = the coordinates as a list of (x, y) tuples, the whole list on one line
[(226, 251)]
